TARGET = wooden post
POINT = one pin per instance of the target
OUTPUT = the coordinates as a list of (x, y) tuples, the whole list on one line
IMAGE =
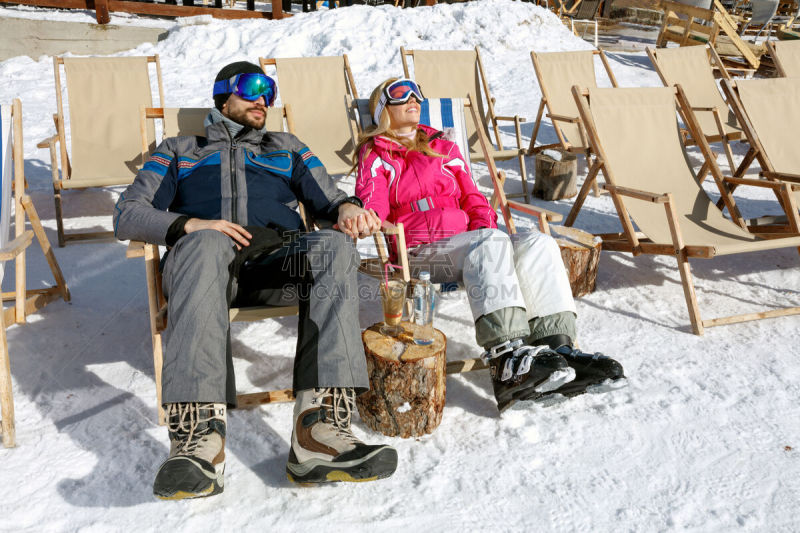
[(101, 11), (407, 383), (277, 9)]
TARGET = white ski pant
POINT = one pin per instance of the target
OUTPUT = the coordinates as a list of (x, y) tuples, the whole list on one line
[(498, 271)]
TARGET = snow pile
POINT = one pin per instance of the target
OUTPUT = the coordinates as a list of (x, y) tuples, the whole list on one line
[(704, 437)]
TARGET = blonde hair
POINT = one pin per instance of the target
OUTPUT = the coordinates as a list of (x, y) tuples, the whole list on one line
[(420, 142)]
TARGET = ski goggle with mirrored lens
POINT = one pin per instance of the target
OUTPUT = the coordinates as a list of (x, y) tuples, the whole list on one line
[(250, 86), (397, 93)]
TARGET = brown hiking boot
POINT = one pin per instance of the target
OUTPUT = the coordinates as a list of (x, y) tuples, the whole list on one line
[(324, 449)]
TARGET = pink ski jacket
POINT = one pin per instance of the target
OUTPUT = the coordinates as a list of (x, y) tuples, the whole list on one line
[(434, 197)]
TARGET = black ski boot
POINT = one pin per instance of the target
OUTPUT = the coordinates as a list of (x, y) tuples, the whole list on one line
[(592, 371), (522, 372)]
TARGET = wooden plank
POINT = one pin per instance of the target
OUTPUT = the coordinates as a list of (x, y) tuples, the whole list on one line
[(164, 10), (735, 319), (6, 398)]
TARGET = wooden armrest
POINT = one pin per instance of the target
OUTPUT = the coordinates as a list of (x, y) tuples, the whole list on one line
[(703, 108), (562, 118), (636, 193), (15, 247), (552, 216), (753, 182), (511, 119), (135, 249), (390, 231), (794, 178), (46, 143)]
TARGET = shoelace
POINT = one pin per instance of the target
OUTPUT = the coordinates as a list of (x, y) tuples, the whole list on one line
[(341, 407), (183, 420)]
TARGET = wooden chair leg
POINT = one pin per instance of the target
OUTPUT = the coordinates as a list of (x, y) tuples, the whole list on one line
[(689, 293), (59, 220), (591, 180), (158, 363), (44, 243), (6, 399)]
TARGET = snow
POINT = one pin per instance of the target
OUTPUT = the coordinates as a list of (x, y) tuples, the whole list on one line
[(703, 438)]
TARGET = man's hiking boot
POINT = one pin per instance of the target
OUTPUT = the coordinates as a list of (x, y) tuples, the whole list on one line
[(324, 449), (196, 462), (592, 371), (522, 372)]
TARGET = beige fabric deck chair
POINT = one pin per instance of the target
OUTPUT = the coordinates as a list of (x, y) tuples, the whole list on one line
[(766, 109), (189, 121), (94, 143), (693, 68), (457, 74), (634, 133), (448, 115), (315, 88), (25, 301), (557, 72), (786, 55)]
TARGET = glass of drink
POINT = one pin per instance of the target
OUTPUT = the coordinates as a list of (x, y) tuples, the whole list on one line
[(393, 296)]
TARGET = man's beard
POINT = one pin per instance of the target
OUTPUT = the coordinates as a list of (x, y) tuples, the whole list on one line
[(245, 119)]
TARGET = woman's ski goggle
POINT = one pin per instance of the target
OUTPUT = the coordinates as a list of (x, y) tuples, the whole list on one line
[(397, 93), (250, 86)]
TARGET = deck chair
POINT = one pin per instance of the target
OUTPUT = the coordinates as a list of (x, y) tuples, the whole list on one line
[(25, 301), (634, 133), (456, 74), (786, 55), (556, 73), (189, 121), (765, 108), (315, 88), (448, 115), (581, 11), (761, 15), (104, 95), (693, 68)]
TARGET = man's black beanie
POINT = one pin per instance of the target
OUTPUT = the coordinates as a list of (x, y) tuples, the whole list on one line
[(229, 71)]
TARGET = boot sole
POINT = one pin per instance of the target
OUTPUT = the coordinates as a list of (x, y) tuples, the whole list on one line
[(216, 481), (379, 465)]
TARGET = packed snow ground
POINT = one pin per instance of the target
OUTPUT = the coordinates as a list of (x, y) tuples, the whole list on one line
[(704, 438)]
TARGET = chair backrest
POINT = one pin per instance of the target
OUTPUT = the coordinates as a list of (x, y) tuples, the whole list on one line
[(7, 172), (641, 147), (453, 74), (587, 10), (786, 55), (557, 72), (690, 67), (191, 120), (315, 89), (762, 11), (444, 114), (104, 96), (772, 110)]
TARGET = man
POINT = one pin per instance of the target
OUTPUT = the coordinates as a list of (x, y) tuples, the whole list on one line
[(225, 204)]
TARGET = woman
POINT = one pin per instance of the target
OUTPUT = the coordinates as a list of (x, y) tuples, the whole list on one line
[(517, 287)]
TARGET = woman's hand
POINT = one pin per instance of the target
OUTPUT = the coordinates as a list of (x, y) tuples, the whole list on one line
[(236, 232), (357, 222)]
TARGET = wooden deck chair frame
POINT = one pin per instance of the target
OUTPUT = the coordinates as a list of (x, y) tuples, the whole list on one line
[(26, 301), (157, 304), (318, 120), (786, 56), (757, 151), (638, 243), (558, 120), (61, 165), (488, 117), (543, 217), (705, 92)]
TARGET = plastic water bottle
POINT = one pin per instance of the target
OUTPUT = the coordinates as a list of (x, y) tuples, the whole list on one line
[(424, 303)]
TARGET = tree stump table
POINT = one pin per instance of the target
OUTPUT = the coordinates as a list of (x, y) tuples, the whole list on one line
[(556, 177), (580, 252), (407, 383)]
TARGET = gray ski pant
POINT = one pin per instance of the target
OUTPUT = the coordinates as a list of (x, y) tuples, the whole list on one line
[(318, 273)]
